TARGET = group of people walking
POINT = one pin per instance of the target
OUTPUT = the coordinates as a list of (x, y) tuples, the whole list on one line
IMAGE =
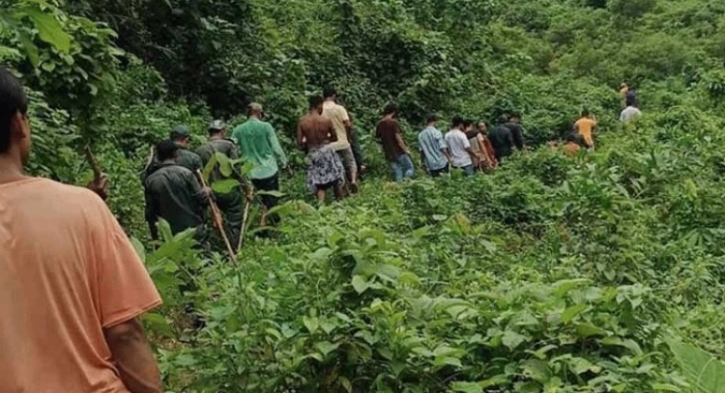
[(465, 147)]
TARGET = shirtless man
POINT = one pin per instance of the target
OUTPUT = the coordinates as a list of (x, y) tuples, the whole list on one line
[(314, 134)]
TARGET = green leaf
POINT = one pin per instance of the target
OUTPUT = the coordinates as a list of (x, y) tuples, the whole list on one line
[(703, 372), (511, 339), (467, 387), (158, 324), (360, 284), (536, 370), (581, 365), (326, 347), (275, 194), (224, 186), (311, 323), (49, 29), (571, 312)]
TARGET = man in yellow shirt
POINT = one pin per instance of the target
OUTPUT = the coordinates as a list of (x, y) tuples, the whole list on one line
[(341, 121), (585, 127)]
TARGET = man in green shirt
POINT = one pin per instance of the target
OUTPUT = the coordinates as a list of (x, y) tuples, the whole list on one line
[(259, 145), (230, 203)]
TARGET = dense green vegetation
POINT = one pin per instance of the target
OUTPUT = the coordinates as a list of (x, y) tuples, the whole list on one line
[(552, 274)]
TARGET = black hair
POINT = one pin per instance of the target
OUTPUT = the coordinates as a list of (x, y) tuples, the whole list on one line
[(329, 92), (572, 137), (467, 122), (166, 150), (585, 112), (514, 114), (456, 121), (315, 101), (12, 101), (631, 101), (502, 119), (390, 108), (431, 118)]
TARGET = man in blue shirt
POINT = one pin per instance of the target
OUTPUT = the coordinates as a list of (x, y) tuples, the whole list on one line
[(433, 149)]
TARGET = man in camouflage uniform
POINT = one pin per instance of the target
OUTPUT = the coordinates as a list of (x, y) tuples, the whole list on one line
[(230, 203), (174, 194), (180, 136)]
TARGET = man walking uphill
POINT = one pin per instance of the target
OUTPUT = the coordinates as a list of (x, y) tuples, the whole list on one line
[(433, 149), (260, 146), (186, 158), (175, 194), (71, 284), (230, 203), (341, 121), (389, 134), (314, 134), (502, 140)]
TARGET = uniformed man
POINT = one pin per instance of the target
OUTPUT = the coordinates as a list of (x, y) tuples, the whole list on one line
[(186, 158), (175, 194), (230, 203)]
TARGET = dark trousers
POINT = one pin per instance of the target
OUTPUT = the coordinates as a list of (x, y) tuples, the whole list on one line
[(269, 201), (439, 172)]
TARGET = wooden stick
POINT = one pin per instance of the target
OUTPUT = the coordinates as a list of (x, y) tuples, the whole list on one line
[(245, 217), (218, 223), (94, 164)]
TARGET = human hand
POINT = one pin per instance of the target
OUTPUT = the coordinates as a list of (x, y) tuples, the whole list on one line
[(100, 186)]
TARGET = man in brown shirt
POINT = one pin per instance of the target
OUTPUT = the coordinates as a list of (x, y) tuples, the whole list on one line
[(390, 136), (314, 134)]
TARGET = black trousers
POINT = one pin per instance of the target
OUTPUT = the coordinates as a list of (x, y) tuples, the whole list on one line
[(269, 201)]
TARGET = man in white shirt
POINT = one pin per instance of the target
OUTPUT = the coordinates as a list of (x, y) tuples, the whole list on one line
[(631, 111), (341, 121), (460, 147)]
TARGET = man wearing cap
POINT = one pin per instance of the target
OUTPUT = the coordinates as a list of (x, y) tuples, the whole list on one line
[(229, 203), (186, 158), (259, 145)]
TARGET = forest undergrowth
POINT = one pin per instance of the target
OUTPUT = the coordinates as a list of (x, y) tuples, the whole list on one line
[(596, 273)]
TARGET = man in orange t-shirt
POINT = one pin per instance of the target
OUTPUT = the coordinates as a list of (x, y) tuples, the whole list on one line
[(71, 285), (585, 127)]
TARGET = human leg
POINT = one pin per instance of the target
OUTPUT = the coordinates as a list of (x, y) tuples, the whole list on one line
[(407, 166), (397, 171)]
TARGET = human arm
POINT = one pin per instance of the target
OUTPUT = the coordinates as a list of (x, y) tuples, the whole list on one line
[(331, 133), (399, 138), (276, 148), (300, 137), (518, 137), (133, 357), (123, 291), (151, 213)]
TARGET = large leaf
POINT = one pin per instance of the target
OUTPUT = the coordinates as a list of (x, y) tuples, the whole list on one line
[(703, 371), (49, 29)]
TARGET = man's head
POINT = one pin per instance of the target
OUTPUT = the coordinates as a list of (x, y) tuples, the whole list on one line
[(180, 134), (329, 93), (482, 127), (631, 101), (467, 124), (623, 85), (432, 119), (514, 117), (166, 150), (502, 119), (316, 104), (573, 137), (456, 122), (217, 128), (14, 123), (586, 112), (255, 110), (391, 109)]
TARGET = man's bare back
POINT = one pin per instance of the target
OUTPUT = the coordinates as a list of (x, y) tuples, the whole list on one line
[(315, 131)]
